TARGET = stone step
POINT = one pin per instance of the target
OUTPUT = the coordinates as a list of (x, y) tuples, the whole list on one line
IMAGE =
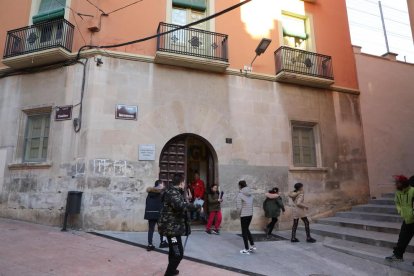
[(359, 236), (382, 201), (371, 208), (369, 252), (369, 225), (370, 216), (389, 195)]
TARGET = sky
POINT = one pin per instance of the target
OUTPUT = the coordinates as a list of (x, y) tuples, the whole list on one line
[(367, 31)]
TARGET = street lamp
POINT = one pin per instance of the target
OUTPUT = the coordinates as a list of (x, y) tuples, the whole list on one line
[(260, 49)]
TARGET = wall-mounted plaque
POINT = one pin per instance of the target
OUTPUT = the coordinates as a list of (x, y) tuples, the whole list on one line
[(126, 112), (146, 152), (63, 113)]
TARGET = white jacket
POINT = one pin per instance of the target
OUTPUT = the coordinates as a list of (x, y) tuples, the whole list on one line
[(244, 202)]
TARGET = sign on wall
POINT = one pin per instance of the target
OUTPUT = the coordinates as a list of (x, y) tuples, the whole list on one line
[(63, 113), (126, 112), (146, 152)]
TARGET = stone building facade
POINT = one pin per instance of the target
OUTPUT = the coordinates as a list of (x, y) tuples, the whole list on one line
[(199, 114)]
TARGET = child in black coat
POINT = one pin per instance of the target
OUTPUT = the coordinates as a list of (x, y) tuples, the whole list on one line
[(153, 207)]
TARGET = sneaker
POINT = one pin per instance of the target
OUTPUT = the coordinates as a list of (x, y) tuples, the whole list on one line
[(394, 258), (245, 252), (215, 232), (208, 232), (310, 240), (150, 247), (294, 240), (253, 249), (163, 244)]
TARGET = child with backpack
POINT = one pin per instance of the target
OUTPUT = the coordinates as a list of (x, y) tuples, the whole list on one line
[(214, 206)]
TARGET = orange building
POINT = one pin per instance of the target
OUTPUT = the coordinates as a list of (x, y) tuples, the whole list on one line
[(215, 98)]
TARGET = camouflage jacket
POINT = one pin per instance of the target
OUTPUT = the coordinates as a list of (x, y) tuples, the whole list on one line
[(173, 219)]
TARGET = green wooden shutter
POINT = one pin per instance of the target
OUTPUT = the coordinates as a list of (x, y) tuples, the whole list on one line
[(49, 10), (199, 5), (37, 138), (294, 27)]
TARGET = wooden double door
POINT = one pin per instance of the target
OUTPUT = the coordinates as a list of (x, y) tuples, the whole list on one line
[(187, 154)]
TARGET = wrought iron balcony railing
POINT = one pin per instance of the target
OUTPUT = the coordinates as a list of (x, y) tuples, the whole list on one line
[(192, 42), (39, 37), (302, 62)]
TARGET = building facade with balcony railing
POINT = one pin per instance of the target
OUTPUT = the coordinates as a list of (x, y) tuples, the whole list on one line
[(109, 121)]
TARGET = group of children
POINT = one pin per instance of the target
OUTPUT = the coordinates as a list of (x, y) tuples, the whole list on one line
[(272, 206)]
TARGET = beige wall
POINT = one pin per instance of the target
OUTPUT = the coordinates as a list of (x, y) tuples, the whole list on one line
[(256, 114), (387, 110)]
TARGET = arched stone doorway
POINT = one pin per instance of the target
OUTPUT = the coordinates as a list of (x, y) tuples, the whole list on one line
[(186, 154)]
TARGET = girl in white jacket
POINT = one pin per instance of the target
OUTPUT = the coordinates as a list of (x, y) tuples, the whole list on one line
[(244, 203)]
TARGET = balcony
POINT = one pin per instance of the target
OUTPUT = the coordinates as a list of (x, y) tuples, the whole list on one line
[(303, 67), (39, 44), (192, 48)]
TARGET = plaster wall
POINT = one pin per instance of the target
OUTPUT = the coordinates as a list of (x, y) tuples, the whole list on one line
[(102, 160), (386, 106)]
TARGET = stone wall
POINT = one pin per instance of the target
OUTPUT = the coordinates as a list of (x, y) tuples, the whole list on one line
[(102, 160)]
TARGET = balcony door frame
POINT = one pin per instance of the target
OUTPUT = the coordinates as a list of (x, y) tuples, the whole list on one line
[(210, 25)]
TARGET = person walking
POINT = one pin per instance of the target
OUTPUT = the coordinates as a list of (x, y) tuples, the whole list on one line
[(299, 212), (272, 206), (404, 197), (173, 222), (244, 203), (214, 207), (153, 207)]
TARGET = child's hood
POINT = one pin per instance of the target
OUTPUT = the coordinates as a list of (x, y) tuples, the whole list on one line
[(246, 191)]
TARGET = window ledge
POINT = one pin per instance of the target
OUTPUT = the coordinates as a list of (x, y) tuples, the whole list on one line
[(308, 169), (29, 165)]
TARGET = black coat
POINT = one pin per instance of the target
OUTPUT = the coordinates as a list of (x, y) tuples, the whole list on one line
[(153, 204)]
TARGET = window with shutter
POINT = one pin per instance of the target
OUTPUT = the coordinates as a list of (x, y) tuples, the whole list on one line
[(199, 5), (49, 10), (36, 138), (303, 145), (295, 34)]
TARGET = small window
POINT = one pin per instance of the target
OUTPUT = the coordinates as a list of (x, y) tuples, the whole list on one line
[(304, 146), (295, 33), (36, 138)]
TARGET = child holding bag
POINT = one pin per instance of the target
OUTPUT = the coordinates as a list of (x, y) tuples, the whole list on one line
[(214, 206)]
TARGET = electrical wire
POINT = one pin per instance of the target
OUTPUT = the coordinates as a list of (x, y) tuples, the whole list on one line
[(99, 9), (77, 27), (164, 33), (124, 7), (77, 122)]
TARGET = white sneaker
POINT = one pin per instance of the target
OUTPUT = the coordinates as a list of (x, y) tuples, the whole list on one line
[(245, 252), (252, 249)]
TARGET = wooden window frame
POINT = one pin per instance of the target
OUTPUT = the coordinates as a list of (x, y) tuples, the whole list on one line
[(308, 18), (316, 145), (28, 137)]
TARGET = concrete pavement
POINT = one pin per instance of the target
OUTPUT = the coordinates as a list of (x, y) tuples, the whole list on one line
[(272, 258)]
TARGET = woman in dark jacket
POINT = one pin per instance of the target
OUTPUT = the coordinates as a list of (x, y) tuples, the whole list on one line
[(272, 206), (153, 207)]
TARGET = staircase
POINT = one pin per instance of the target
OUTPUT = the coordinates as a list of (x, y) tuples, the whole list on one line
[(369, 231)]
